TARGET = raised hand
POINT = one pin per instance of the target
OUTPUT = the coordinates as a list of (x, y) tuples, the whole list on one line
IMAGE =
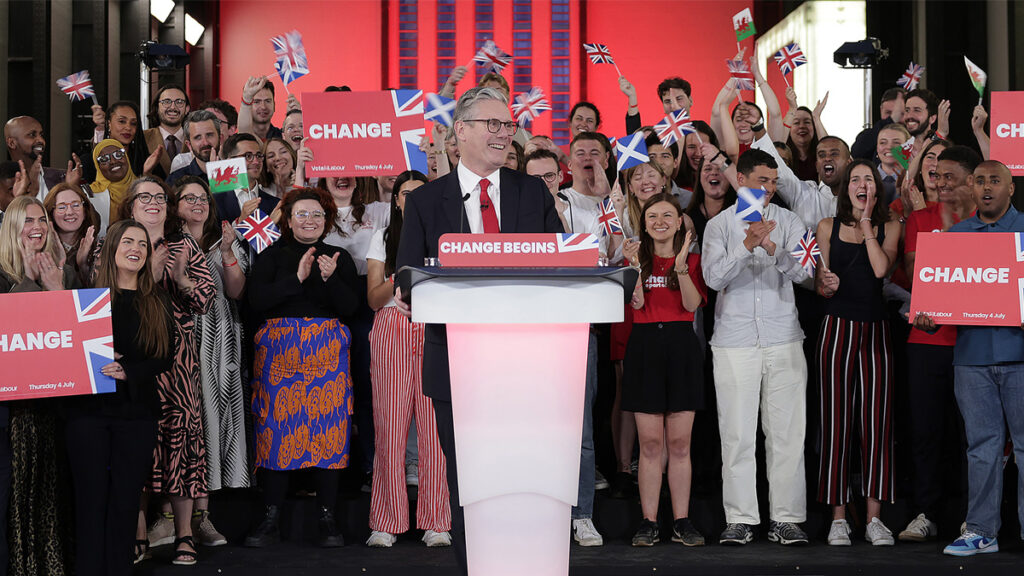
[(820, 106), (51, 276), (631, 251), (791, 98), (766, 242), (152, 160), (28, 260), (21, 181), (253, 85), (458, 73), (85, 247), (328, 264), (158, 261), (942, 128), (293, 103), (306, 264), (627, 88), (73, 176), (685, 252), (978, 118), (99, 118), (179, 271), (916, 197), (227, 239), (249, 207)]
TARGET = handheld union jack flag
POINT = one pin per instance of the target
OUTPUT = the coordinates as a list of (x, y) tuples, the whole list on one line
[(439, 109), (807, 251), (259, 230), (492, 56), (740, 70), (291, 61), (789, 58), (674, 127), (529, 105), (911, 77), (598, 53), (78, 86), (609, 219)]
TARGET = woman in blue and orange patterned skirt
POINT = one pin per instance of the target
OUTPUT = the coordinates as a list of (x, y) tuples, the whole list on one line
[(302, 392)]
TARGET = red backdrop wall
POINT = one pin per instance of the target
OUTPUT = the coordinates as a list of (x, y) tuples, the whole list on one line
[(357, 42)]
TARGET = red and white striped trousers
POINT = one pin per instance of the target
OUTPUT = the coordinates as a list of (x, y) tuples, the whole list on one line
[(855, 367), (396, 371)]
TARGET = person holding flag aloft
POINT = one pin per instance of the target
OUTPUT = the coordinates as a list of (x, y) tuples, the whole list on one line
[(858, 249), (663, 372)]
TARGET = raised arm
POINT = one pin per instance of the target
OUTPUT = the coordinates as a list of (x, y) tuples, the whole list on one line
[(978, 125), (819, 128), (776, 131)]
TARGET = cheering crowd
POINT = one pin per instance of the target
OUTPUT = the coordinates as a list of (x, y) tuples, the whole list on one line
[(236, 368)]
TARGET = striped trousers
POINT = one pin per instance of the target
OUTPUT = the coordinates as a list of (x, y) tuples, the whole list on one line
[(396, 371), (856, 374)]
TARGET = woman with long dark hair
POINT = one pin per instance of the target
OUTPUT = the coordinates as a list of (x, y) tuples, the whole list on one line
[(858, 248), (120, 122), (396, 358), (110, 437), (663, 373)]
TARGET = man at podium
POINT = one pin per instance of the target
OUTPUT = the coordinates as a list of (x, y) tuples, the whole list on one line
[(481, 197)]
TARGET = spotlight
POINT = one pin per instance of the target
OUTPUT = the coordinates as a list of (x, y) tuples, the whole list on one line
[(863, 54), (193, 30), (161, 9)]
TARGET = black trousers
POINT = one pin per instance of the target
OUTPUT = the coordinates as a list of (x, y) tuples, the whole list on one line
[(110, 459), (275, 486), (446, 436), (938, 442), (5, 494)]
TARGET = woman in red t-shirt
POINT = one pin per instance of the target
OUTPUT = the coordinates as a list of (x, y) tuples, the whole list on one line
[(663, 380)]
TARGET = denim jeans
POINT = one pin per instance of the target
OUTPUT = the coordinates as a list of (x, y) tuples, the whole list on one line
[(584, 507), (990, 399)]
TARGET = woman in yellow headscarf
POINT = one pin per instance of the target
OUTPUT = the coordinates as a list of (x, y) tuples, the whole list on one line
[(113, 177)]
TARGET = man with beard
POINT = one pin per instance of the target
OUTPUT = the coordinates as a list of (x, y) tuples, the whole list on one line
[(228, 117), (258, 109), (171, 105), (243, 201), (23, 136), (203, 131), (925, 117)]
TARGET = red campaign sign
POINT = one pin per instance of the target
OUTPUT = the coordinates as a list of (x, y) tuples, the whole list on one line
[(55, 343), (1007, 130), (364, 133), (974, 279), (518, 250)]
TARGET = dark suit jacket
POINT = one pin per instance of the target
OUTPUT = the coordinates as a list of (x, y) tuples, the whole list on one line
[(227, 205), (153, 140), (437, 208)]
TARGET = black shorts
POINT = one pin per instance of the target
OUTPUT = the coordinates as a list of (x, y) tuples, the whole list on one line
[(663, 370)]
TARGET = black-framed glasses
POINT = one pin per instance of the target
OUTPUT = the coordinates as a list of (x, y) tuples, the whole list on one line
[(315, 215), (116, 155), (548, 177), (250, 156), (493, 125), (194, 199), (147, 198), (167, 102)]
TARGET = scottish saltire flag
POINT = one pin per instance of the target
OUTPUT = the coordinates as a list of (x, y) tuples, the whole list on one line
[(439, 109), (77, 86), (789, 58), (807, 251), (911, 77), (492, 56), (740, 70), (227, 175), (978, 76), (529, 105), (598, 53), (291, 61), (577, 242), (674, 127), (259, 230), (410, 103), (743, 24), (94, 304), (631, 151), (609, 219), (749, 204)]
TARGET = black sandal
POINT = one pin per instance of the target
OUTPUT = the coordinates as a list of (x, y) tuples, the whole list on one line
[(141, 551), (185, 557)]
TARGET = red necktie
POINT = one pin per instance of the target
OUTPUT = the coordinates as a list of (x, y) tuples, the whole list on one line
[(487, 211)]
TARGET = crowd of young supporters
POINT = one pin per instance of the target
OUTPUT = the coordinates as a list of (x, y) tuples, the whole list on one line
[(230, 362)]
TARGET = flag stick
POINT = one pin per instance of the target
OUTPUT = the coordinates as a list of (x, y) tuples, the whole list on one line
[(697, 134), (97, 102), (617, 71), (787, 81)]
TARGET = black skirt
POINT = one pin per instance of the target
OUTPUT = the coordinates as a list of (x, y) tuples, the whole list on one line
[(663, 370)]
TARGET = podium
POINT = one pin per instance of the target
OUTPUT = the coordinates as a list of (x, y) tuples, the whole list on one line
[(517, 349)]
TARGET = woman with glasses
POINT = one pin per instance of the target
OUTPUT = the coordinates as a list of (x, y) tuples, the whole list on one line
[(302, 394), (278, 174), (31, 260), (179, 266), (114, 175), (220, 350), (76, 223)]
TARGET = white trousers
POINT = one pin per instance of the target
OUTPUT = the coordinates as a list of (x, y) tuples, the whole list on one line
[(773, 379)]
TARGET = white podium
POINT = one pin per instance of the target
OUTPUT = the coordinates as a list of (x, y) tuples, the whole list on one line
[(517, 347)]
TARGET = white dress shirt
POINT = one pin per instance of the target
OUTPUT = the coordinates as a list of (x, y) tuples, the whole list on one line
[(755, 305), (470, 183), (584, 216), (811, 201)]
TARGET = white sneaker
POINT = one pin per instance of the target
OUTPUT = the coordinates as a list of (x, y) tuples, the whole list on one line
[(584, 532), (434, 539), (412, 474), (878, 534), (839, 533), (600, 482), (920, 529), (379, 539)]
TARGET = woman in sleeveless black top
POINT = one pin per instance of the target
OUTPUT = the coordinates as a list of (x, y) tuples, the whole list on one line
[(858, 249)]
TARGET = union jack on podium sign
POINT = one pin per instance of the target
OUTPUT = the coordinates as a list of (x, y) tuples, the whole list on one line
[(55, 343)]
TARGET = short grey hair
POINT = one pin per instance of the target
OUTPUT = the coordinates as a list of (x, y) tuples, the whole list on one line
[(474, 95), (200, 116)]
